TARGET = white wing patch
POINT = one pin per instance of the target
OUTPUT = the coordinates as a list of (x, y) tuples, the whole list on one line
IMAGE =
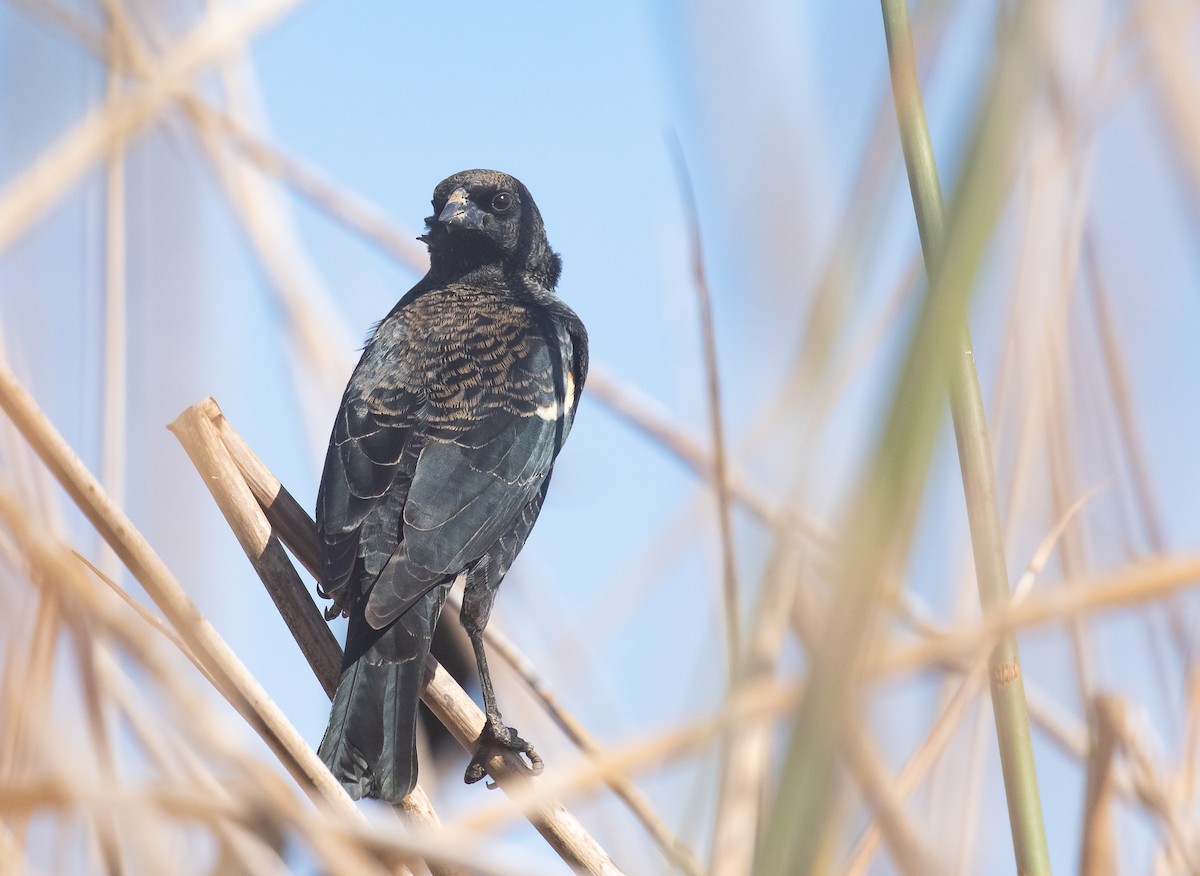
[(551, 412)]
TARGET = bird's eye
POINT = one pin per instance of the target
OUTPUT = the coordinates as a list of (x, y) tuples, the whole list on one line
[(502, 202)]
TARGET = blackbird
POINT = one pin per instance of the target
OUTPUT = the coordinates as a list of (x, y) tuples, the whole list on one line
[(437, 467)]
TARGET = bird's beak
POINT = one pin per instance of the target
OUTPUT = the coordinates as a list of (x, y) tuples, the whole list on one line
[(461, 213)]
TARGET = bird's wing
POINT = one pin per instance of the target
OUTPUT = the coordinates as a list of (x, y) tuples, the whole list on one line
[(473, 479), (371, 458), (467, 493)]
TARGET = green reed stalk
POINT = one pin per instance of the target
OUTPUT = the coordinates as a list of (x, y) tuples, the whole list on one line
[(975, 459), (875, 536)]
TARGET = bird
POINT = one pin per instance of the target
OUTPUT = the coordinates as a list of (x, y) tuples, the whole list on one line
[(438, 464)]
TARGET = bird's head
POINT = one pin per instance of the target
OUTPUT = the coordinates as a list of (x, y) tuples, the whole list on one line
[(487, 217)]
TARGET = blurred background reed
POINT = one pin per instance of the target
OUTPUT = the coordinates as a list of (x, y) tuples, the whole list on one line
[(219, 198)]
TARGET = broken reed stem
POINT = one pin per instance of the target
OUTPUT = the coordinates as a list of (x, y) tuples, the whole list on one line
[(975, 458), (195, 430), (297, 531), (213, 445)]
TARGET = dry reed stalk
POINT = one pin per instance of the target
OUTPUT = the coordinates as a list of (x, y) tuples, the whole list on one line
[(27, 684), (58, 168), (963, 696), (352, 210), (1141, 583), (1060, 198), (1181, 826), (262, 793), (1167, 29), (197, 430), (1098, 852), (1133, 457), (55, 567), (675, 849), (12, 855), (243, 852), (911, 853), (317, 333), (148, 617), (1059, 726), (758, 704), (296, 529), (920, 763), (198, 435), (1072, 553), (967, 791), (646, 416), (234, 681), (373, 846), (1116, 375), (112, 472), (94, 684), (745, 751), (720, 460), (738, 788)]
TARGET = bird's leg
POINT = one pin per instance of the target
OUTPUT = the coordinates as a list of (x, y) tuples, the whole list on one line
[(495, 734)]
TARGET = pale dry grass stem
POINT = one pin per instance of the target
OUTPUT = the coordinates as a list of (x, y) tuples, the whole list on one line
[(116, 757), (720, 462), (26, 201)]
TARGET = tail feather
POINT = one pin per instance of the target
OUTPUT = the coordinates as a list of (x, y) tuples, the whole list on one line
[(398, 765), (370, 743)]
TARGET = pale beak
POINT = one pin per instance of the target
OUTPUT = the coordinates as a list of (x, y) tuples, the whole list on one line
[(461, 213)]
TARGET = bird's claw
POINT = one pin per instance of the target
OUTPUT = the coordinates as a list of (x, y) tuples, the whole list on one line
[(493, 738)]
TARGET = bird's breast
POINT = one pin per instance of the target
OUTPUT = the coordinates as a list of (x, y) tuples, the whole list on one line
[(475, 354)]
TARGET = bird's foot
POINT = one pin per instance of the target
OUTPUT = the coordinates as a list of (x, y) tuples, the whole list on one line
[(494, 739)]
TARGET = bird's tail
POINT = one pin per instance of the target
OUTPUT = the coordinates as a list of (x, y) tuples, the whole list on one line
[(370, 743)]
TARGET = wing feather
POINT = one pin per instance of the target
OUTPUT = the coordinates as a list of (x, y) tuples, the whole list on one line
[(422, 482)]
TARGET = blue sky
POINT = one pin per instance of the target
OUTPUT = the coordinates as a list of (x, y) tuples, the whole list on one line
[(771, 106)]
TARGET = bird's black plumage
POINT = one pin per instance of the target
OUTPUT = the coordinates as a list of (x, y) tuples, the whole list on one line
[(438, 464)]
